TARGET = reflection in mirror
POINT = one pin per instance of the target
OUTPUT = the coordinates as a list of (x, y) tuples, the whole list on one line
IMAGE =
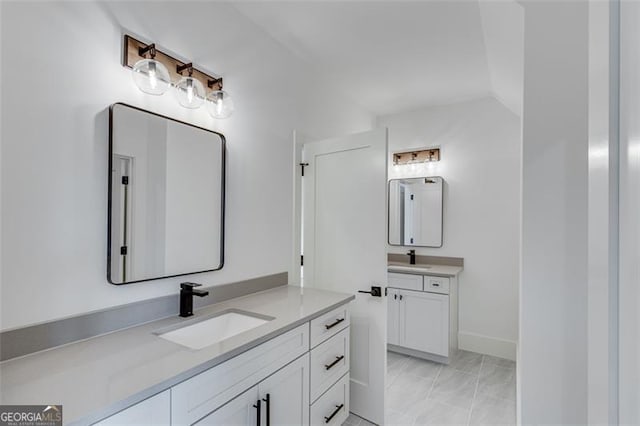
[(415, 212), (166, 197)]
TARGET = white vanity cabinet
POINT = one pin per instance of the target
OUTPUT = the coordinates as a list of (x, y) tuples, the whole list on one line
[(422, 315), (301, 373), (280, 399)]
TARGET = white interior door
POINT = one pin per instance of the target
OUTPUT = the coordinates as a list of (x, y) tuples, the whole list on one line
[(344, 247)]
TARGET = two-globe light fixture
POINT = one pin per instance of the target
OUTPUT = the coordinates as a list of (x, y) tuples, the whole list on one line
[(156, 73)]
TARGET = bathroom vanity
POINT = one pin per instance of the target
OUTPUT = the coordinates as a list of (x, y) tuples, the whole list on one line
[(293, 369), (422, 317)]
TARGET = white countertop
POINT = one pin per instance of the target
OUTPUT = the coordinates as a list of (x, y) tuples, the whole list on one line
[(424, 269), (100, 376)]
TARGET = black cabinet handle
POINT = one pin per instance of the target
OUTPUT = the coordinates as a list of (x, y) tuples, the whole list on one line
[(338, 321), (435, 285), (338, 359), (400, 297), (268, 401), (337, 410), (395, 296), (257, 407)]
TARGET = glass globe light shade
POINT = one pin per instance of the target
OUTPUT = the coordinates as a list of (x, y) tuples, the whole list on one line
[(190, 92), (151, 76), (220, 104)]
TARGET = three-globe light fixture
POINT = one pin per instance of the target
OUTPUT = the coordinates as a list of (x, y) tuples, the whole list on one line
[(154, 72)]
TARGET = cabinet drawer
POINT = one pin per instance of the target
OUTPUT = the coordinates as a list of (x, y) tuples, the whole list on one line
[(405, 281), (332, 408), (200, 395), (329, 324), (329, 362), (436, 284)]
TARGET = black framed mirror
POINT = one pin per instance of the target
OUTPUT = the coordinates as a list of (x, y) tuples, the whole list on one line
[(166, 197), (415, 212)]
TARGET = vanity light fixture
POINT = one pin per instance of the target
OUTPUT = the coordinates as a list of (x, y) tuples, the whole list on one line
[(154, 75), (418, 156)]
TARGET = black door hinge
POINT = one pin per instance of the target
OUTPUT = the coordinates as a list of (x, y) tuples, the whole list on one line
[(302, 166), (123, 250), (301, 260), (125, 180)]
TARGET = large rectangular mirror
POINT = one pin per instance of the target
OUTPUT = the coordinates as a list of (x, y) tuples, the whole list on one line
[(166, 197), (415, 212)]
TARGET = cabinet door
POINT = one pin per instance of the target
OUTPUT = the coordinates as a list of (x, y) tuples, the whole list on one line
[(240, 411), (152, 411), (393, 317), (424, 322), (285, 395)]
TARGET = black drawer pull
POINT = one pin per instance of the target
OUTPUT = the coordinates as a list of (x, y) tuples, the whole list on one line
[(338, 359), (338, 408), (338, 321), (435, 285)]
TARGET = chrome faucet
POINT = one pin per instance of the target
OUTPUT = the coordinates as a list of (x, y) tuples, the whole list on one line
[(186, 297), (412, 257)]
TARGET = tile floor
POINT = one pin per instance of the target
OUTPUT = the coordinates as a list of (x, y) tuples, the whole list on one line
[(474, 389)]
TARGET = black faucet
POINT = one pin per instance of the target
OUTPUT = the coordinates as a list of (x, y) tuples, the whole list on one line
[(412, 257), (186, 298)]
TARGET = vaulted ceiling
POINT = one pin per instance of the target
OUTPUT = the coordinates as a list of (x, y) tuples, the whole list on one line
[(392, 56)]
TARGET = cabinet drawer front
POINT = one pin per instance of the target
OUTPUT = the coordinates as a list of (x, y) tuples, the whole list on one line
[(332, 408), (200, 395), (405, 281), (329, 362), (436, 284), (329, 324)]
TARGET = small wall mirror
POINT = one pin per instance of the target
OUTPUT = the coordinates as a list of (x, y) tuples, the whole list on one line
[(166, 197), (415, 212)]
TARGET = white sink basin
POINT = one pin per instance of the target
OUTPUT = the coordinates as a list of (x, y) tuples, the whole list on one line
[(407, 268), (200, 333)]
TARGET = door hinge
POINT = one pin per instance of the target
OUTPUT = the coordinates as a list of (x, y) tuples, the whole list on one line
[(301, 260), (125, 180), (123, 250), (302, 166)]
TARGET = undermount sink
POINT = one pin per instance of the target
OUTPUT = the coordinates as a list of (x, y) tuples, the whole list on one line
[(202, 332), (406, 267)]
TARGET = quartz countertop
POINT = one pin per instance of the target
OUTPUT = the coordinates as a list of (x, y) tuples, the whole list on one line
[(424, 269), (98, 377)]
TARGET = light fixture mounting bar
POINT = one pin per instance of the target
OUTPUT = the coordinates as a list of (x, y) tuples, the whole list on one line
[(417, 156), (131, 55)]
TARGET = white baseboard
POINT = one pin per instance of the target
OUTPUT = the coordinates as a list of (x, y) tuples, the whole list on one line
[(487, 345)]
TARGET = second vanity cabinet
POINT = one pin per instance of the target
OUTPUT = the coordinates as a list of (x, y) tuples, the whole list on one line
[(422, 315), (300, 377)]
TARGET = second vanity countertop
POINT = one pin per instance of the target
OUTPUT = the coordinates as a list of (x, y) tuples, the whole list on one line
[(424, 269), (98, 377)]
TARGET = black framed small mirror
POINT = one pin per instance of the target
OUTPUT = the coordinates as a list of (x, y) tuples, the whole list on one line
[(415, 211), (166, 197)]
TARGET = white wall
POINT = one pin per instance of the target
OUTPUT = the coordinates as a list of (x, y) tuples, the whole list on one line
[(480, 151), (629, 390), (552, 358), (54, 143), (603, 214)]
